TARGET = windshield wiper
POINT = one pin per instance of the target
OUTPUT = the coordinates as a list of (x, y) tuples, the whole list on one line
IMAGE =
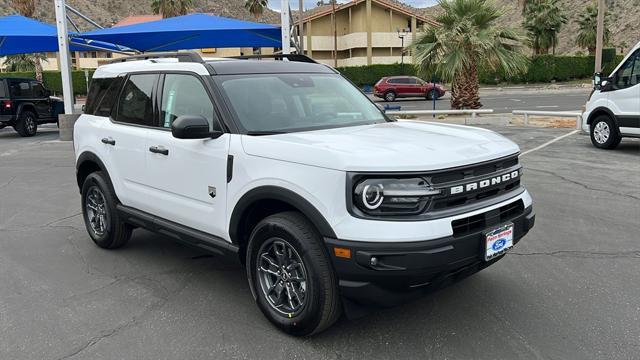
[(261, 133)]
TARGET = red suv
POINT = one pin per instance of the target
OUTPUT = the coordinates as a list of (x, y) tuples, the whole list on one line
[(391, 87)]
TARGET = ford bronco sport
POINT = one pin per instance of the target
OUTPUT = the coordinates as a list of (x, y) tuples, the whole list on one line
[(328, 203)]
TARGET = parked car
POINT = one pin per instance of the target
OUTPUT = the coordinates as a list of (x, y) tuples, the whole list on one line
[(26, 103), (392, 87), (288, 167), (613, 110)]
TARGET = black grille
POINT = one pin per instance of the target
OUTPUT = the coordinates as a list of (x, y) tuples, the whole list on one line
[(466, 172), (472, 224)]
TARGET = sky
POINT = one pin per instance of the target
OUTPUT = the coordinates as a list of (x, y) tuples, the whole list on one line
[(275, 4)]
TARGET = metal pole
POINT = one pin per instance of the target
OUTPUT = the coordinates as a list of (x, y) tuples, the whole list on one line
[(335, 34), (433, 92), (285, 27), (301, 25), (65, 56), (600, 35)]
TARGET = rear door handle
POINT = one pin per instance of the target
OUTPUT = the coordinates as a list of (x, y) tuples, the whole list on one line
[(108, 141), (159, 150)]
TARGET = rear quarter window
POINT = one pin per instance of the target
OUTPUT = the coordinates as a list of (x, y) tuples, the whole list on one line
[(97, 90), (104, 104), (3, 89)]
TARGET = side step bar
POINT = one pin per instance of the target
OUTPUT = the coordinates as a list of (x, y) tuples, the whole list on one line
[(176, 231)]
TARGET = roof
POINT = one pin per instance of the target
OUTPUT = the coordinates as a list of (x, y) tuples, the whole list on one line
[(137, 19), (221, 66), (403, 9)]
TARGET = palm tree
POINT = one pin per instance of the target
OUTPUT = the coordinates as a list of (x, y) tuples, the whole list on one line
[(256, 7), (466, 39), (171, 8), (27, 8), (588, 24), (543, 20), (24, 62)]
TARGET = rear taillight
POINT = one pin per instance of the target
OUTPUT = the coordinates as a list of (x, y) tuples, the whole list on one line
[(7, 104)]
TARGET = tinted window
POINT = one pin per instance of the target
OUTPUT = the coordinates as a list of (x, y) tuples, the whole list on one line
[(629, 73), (19, 88), (97, 89), (399, 81), (184, 95), (3, 89), (106, 104), (135, 105), (38, 90)]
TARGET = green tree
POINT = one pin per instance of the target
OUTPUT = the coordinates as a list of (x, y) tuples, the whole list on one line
[(171, 8), (588, 25), (467, 38), (543, 20), (27, 8), (24, 62), (256, 7)]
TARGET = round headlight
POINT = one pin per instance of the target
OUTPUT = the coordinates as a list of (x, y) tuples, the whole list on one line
[(372, 196)]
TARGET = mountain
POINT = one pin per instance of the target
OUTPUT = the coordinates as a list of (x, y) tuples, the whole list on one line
[(623, 15), (623, 22)]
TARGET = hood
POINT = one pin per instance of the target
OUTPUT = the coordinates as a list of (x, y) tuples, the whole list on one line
[(393, 146)]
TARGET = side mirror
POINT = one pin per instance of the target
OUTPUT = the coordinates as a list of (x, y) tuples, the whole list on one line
[(597, 80), (193, 127)]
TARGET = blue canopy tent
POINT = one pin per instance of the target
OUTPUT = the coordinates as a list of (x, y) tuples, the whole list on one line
[(22, 35), (194, 31)]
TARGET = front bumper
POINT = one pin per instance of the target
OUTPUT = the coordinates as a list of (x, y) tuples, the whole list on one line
[(407, 270)]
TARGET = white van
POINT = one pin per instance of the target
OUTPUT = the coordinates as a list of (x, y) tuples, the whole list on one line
[(613, 111)]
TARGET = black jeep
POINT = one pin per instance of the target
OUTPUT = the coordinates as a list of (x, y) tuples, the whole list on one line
[(25, 103)]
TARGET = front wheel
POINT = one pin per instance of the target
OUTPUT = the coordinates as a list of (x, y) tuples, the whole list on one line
[(604, 133), (291, 276)]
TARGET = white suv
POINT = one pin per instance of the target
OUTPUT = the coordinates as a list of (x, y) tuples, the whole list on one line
[(613, 110), (286, 165)]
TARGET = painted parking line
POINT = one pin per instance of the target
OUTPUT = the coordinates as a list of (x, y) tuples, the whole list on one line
[(549, 143)]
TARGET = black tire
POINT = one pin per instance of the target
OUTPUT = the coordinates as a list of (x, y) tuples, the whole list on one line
[(605, 133), (115, 232), (27, 124), (390, 96), (321, 302)]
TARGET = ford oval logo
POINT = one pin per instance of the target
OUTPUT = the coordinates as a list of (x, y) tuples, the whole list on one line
[(499, 244)]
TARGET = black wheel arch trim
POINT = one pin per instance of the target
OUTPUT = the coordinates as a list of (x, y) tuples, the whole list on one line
[(599, 110), (88, 156), (31, 107), (269, 192)]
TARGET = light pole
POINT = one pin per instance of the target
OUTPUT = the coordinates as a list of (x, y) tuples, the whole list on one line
[(600, 35), (401, 34)]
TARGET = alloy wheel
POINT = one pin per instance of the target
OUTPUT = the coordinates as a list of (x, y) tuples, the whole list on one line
[(282, 276), (601, 132), (96, 209), (30, 124)]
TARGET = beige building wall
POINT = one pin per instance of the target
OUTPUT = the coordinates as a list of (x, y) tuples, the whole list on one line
[(361, 40)]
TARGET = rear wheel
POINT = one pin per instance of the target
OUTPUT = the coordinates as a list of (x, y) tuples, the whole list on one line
[(101, 219), (605, 133), (390, 96), (27, 124), (291, 276)]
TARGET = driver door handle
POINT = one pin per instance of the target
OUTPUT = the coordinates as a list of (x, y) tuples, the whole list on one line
[(159, 150), (108, 141)]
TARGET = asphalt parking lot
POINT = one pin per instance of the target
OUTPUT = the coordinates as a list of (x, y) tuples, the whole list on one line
[(569, 290)]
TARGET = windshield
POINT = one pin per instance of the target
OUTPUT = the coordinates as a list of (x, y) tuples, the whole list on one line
[(280, 103)]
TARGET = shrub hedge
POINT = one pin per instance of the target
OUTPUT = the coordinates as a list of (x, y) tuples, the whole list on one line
[(53, 81), (543, 68)]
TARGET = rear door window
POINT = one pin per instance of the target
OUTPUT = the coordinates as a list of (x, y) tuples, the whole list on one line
[(37, 89), (135, 105), (20, 88)]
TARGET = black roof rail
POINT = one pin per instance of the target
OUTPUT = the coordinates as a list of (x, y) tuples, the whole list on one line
[(290, 57), (182, 56)]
